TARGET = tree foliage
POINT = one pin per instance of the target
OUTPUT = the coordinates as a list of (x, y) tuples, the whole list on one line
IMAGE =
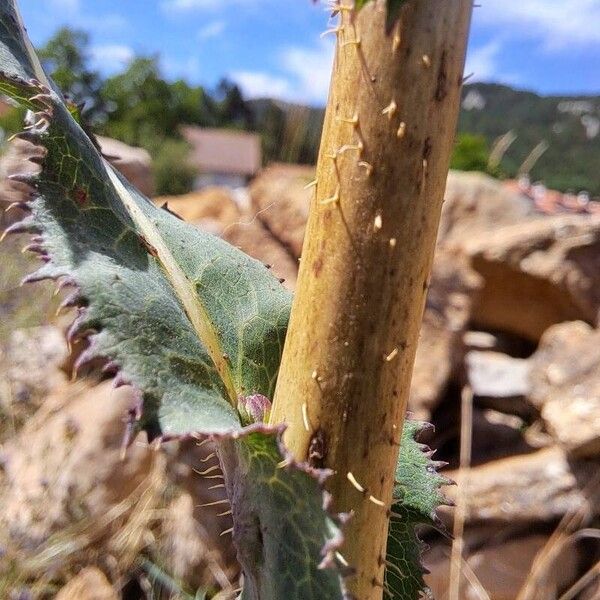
[(470, 153)]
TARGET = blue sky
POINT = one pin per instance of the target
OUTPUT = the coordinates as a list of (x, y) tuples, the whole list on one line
[(549, 46)]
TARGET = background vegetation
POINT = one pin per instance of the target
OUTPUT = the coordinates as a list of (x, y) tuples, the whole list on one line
[(140, 106)]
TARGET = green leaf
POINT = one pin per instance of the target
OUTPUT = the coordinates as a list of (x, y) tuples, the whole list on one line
[(281, 529), (186, 318), (417, 496), (198, 327), (193, 323)]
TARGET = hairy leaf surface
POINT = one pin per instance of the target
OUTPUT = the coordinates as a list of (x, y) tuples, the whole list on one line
[(194, 324), (189, 320), (281, 529)]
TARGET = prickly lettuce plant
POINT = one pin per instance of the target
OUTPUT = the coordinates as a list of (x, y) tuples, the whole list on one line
[(197, 328)]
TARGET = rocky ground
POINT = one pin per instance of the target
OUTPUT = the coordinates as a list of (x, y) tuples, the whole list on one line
[(509, 340)]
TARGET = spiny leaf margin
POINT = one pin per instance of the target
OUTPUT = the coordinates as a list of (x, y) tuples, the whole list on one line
[(87, 238), (86, 218), (417, 496), (287, 536)]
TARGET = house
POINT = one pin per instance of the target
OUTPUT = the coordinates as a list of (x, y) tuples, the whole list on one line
[(223, 156)]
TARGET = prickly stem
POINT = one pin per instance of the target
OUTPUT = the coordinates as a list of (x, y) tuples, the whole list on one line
[(368, 248)]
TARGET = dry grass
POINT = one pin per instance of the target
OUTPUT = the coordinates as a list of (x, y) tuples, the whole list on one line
[(113, 541), (569, 530), (20, 306), (458, 566)]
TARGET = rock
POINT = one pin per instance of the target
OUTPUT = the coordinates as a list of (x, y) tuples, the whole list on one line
[(89, 584), (440, 348), (496, 435), (531, 488), (196, 518), (281, 200), (496, 375), (475, 203), (185, 544), (254, 239), (500, 382), (32, 361), (499, 341), (135, 164), (64, 478), (215, 210), (565, 381), (214, 206), (66, 461), (536, 273), (501, 567)]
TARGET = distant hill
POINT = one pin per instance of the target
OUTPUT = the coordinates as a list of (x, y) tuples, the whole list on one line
[(569, 125)]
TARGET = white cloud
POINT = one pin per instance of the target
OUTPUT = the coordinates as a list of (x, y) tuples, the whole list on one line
[(310, 69), (304, 75), (109, 23), (211, 30), (72, 10), (111, 57), (256, 84), (481, 61), (556, 23)]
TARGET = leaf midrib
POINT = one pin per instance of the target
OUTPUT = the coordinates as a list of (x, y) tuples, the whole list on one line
[(184, 289)]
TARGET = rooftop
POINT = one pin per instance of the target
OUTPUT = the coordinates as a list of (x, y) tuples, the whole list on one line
[(223, 150)]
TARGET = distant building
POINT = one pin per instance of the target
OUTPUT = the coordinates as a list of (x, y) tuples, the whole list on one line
[(223, 156)]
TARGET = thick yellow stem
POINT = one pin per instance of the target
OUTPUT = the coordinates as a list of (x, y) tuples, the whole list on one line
[(347, 363)]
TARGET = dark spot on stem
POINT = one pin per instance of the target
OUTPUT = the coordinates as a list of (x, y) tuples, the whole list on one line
[(317, 266), (427, 148), (441, 90)]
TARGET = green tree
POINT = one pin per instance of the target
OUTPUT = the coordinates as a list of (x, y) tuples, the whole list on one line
[(139, 102), (233, 109), (172, 172), (66, 56), (470, 153)]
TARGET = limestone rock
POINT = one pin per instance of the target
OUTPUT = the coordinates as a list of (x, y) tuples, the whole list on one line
[(66, 460), (213, 205), (501, 567), (31, 363), (254, 239), (89, 584), (475, 203), (529, 488), (496, 375), (565, 383), (281, 200), (440, 348), (497, 435), (215, 210), (536, 273), (500, 382)]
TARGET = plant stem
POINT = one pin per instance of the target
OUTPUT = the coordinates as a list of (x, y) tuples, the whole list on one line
[(347, 363)]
